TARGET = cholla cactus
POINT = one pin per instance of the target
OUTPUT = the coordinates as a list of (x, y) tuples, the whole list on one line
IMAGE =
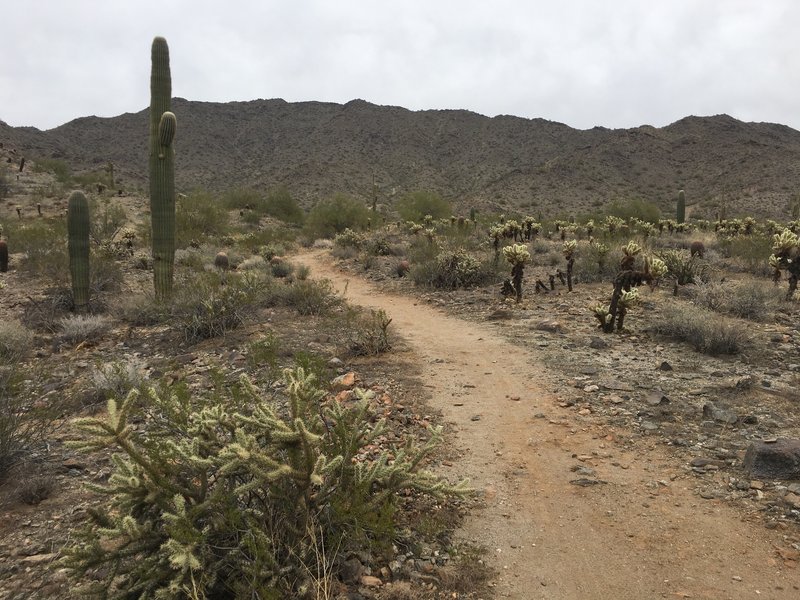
[(568, 249), (655, 269), (518, 256), (629, 251), (786, 255)]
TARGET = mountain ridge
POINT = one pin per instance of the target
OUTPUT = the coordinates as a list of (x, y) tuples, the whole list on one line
[(503, 163)]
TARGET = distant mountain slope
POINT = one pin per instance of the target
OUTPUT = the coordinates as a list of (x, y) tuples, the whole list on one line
[(317, 149)]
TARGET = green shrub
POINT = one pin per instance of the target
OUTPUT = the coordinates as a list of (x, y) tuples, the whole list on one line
[(281, 268), (281, 205), (685, 269), (309, 297), (329, 217), (199, 217), (57, 167), (44, 243), (708, 332), (634, 208), (234, 496), (452, 269), (417, 205)]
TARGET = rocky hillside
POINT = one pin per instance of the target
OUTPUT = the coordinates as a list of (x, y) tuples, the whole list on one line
[(503, 163)]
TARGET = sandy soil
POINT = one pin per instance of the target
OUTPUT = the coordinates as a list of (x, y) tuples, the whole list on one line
[(569, 512)]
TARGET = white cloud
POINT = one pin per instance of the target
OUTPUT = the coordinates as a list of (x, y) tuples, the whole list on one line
[(618, 63)]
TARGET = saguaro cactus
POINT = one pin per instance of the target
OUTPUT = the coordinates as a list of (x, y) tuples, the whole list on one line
[(162, 170), (78, 243), (3, 256), (680, 215)]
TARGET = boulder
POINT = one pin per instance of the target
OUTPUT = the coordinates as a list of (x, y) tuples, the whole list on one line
[(775, 460)]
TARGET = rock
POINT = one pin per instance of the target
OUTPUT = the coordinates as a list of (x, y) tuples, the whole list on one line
[(351, 570), (73, 463), (719, 414), (792, 500), (656, 398), (701, 462), (550, 326), (777, 460), (591, 388), (598, 343), (665, 366), (371, 581), (343, 382)]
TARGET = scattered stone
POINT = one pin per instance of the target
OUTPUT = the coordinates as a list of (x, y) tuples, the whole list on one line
[(550, 326), (598, 343), (665, 366), (586, 482), (777, 460), (371, 581), (591, 388), (792, 500), (475, 418), (343, 382), (722, 415), (655, 398)]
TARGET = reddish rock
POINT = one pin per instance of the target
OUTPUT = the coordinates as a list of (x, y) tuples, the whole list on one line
[(344, 382)]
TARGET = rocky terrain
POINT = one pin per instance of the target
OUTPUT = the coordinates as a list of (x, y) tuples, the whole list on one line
[(500, 164)]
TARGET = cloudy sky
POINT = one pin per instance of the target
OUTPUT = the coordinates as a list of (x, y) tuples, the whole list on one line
[(616, 63)]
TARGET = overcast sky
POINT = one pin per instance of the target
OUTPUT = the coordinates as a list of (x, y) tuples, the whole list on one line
[(616, 63)]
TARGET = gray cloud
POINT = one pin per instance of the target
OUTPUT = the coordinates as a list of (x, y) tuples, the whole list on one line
[(582, 62)]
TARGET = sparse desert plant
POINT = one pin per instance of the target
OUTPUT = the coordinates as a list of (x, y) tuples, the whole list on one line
[(43, 243), (15, 341), (140, 310), (210, 305), (83, 328), (309, 297), (329, 217), (281, 267), (216, 498), (749, 299), (253, 263), (117, 378), (685, 269), (450, 269), (302, 272), (366, 333), (349, 239), (200, 218), (415, 206), (706, 331), (24, 424)]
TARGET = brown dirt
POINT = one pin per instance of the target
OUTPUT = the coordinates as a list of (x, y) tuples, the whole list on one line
[(639, 531)]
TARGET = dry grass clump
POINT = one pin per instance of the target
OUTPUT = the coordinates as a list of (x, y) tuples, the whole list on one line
[(15, 341), (752, 300), (82, 328), (708, 332)]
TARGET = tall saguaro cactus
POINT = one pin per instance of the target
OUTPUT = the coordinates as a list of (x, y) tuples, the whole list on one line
[(680, 215), (162, 170), (78, 245)]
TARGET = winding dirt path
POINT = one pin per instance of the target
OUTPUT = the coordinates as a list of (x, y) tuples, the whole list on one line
[(640, 534)]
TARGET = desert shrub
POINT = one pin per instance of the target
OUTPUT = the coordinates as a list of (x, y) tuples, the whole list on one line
[(280, 205), (366, 333), (329, 217), (45, 314), (451, 270), (302, 272), (44, 243), (24, 424), (253, 263), (243, 198), (745, 299), (309, 297), (417, 205), (193, 258), (117, 378), (380, 245), (199, 217), (15, 341), (749, 250), (281, 268), (56, 166), (83, 328), (349, 239), (236, 495), (108, 217), (105, 274), (685, 269), (634, 208), (140, 310), (708, 332), (212, 304)]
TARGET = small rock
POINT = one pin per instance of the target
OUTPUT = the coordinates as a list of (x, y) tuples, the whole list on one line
[(598, 343), (719, 414), (591, 388), (371, 581), (549, 325), (792, 500), (665, 366), (656, 398), (342, 382)]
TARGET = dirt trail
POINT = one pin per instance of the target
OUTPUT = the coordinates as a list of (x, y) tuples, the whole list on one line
[(640, 534)]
